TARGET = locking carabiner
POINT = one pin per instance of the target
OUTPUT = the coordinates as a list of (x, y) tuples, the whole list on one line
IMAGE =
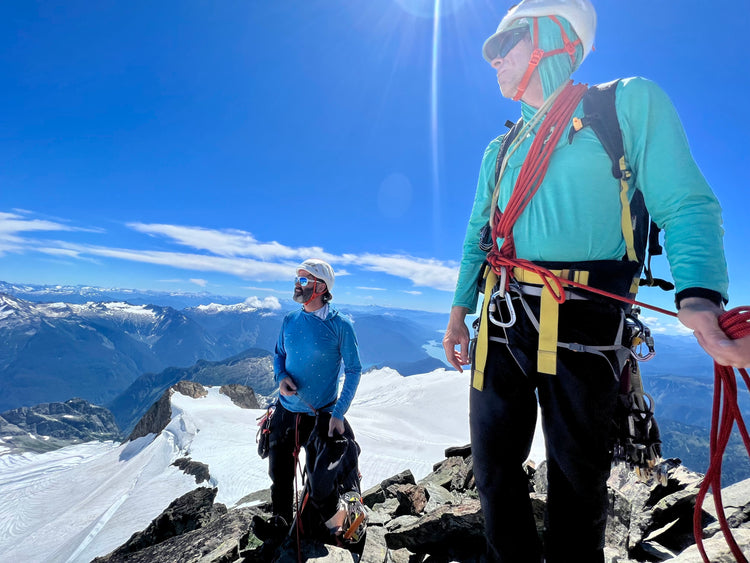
[(493, 307)]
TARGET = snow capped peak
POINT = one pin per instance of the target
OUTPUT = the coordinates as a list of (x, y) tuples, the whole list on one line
[(250, 305), (118, 309)]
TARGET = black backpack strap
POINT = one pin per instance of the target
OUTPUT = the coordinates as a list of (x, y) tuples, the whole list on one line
[(600, 113), (485, 233), (505, 144)]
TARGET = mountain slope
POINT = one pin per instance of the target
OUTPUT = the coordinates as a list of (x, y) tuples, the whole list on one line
[(253, 368), (82, 501)]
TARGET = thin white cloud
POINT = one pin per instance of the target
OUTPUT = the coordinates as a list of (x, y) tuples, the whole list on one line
[(412, 292), (229, 251), (229, 242), (242, 267), (364, 288), (198, 281), (284, 292), (421, 271)]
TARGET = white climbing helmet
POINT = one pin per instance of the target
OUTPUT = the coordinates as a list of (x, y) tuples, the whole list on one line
[(320, 269), (579, 13)]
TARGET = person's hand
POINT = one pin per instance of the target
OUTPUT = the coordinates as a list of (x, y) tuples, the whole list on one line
[(335, 426), (287, 387), (457, 334), (702, 316)]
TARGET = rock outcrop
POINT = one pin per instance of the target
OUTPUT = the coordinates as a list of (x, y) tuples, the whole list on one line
[(241, 395), (158, 416), (438, 519), (50, 426)]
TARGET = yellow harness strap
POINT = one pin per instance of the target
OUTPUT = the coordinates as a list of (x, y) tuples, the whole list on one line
[(480, 353), (627, 220), (549, 311)]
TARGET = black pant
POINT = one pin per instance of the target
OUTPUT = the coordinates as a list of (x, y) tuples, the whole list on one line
[(331, 462), (576, 405)]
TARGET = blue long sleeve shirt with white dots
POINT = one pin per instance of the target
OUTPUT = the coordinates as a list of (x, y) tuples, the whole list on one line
[(311, 351)]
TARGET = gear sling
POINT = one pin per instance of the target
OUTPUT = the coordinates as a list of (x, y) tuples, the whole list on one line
[(638, 438)]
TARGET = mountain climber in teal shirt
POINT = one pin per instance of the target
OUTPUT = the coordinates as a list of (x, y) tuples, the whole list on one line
[(555, 200), (313, 344)]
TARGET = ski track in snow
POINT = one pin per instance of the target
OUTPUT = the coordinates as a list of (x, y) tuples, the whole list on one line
[(83, 501)]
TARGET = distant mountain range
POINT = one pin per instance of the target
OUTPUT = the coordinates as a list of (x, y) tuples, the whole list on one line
[(55, 350), (84, 294), (124, 355)]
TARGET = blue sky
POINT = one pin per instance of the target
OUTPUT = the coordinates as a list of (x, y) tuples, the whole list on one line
[(211, 146)]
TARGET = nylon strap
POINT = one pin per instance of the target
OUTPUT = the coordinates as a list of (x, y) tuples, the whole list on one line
[(549, 313), (480, 353), (627, 220)]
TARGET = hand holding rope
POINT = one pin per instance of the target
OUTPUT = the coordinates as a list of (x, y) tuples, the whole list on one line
[(726, 412)]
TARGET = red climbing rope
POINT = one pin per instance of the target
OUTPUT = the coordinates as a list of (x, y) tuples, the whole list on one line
[(535, 167), (726, 412)]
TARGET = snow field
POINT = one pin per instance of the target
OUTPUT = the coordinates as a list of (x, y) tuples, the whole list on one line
[(79, 502)]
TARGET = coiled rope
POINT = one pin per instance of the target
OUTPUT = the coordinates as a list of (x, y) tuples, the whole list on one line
[(726, 412)]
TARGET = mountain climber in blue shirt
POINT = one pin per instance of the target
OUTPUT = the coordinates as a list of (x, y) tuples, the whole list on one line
[(552, 201), (314, 342)]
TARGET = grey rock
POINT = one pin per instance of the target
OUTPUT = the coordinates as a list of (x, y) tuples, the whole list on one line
[(656, 551), (388, 508), (158, 416), (401, 522), (373, 496), (412, 499), (375, 550), (733, 497), (190, 389), (716, 548), (312, 552), (403, 478), (444, 531), (539, 479), (445, 471), (460, 451), (241, 395), (196, 468), (618, 521), (438, 496), (260, 499), (189, 512)]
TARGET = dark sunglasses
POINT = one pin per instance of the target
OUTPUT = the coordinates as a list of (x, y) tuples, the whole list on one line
[(503, 45), (303, 281)]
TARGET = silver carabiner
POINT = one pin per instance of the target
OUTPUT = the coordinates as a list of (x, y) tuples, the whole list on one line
[(493, 309)]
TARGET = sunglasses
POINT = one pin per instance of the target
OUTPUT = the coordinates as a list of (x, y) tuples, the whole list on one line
[(503, 45), (303, 281)]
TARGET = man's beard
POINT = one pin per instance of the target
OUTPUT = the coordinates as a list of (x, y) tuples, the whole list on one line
[(303, 294)]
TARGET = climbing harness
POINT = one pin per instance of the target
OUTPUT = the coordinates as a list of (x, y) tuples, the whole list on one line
[(638, 441), (726, 412), (263, 436)]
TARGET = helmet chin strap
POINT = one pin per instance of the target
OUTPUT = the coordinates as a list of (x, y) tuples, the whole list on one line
[(538, 54), (314, 295)]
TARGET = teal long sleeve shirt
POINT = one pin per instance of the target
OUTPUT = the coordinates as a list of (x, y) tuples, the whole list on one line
[(575, 215), (311, 350)]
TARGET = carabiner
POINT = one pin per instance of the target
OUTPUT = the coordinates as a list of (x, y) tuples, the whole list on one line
[(492, 308)]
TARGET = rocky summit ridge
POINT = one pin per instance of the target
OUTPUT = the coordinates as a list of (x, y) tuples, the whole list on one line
[(438, 519)]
